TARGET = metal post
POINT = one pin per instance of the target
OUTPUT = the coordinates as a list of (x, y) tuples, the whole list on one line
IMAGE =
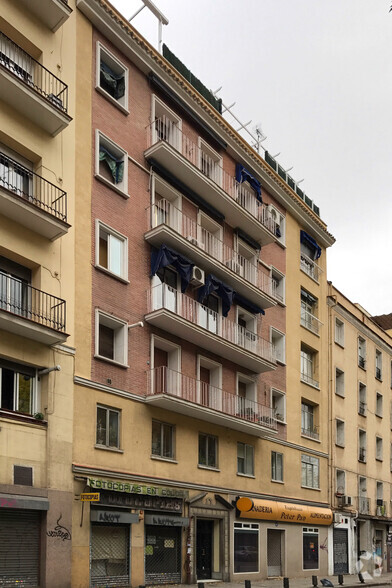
[(286, 583), (248, 584), (314, 581), (340, 579), (360, 578)]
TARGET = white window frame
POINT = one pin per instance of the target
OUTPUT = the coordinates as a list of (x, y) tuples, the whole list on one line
[(280, 220), (308, 358), (278, 341), (101, 226), (35, 391), (252, 528), (206, 149), (274, 455), (314, 462), (209, 438), (280, 285), (362, 393), (275, 393), (103, 54), (213, 247), (340, 439), (378, 364), (339, 332), (379, 404), (158, 110), (340, 382), (362, 347), (120, 329), (172, 427), (108, 409), (171, 208), (362, 445), (101, 139), (247, 447)]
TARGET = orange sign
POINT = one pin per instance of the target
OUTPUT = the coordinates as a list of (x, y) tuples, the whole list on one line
[(89, 496), (285, 512)]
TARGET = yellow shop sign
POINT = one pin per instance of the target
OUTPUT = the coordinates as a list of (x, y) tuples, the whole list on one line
[(285, 512)]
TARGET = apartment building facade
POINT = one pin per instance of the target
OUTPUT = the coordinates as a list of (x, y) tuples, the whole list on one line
[(195, 357), (360, 451), (36, 291)]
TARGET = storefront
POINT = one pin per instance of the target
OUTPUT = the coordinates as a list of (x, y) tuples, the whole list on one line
[(264, 529)]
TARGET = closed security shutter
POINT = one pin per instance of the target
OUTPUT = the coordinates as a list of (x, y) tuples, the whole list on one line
[(19, 547), (340, 551), (163, 555), (110, 555)]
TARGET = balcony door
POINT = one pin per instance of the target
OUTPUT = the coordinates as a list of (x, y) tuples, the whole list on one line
[(14, 291), (208, 313), (165, 289)]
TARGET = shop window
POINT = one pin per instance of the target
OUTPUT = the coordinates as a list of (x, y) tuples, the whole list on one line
[(111, 336), (108, 427), (162, 440), (109, 555), (246, 548), (208, 451), (111, 250), (245, 459), (310, 538), (310, 471), (18, 388), (276, 466), (112, 78), (111, 164)]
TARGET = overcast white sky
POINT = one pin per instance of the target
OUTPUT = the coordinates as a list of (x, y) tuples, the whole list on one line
[(317, 75)]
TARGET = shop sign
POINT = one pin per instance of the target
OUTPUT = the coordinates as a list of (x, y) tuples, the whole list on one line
[(284, 512), (141, 502), (89, 496), (113, 517), (130, 488), (166, 521)]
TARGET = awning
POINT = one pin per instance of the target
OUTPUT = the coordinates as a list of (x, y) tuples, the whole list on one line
[(306, 297), (226, 293), (164, 256), (285, 512), (24, 502), (243, 175), (310, 242), (247, 304)]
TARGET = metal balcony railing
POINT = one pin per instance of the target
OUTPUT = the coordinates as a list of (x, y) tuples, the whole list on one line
[(362, 454), (363, 505), (165, 129), (166, 297), (164, 212), (311, 432), (381, 508), (309, 321), (19, 298), (310, 267), (362, 407), (378, 373), (361, 361), (163, 380), (29, 71), (29, 186)]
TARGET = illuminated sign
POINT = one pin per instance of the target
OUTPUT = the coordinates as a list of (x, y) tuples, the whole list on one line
[(284, 512)]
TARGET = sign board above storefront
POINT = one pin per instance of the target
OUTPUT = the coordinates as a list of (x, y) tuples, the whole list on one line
[(284, 512), (130, 488), (151, 519), (142, 502), (89, 496), (113, 516)]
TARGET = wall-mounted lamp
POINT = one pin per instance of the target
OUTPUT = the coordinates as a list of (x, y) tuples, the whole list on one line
[(55, 368), (139, 324)]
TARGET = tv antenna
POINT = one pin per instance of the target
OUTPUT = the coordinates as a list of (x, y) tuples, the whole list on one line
[(162, 20)]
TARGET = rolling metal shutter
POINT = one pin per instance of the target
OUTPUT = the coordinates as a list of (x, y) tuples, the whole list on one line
[(110, 555), (19, 547)]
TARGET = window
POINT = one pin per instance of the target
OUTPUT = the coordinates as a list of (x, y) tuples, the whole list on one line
[(210, 162), (378, 365), (361, 353), (246, 547), (339, 382), (278, 404), (111, 250), (276, 466), (381, 505), (247, 326), (245, 459), (166, 125), (112, 78), (23, 475), (362, 446), (363, 503), (244, 261), (309, 471), (340, 482), (166, 206), (209, 383), (379, 404), (162, 440), (308, 264), (310, 548), (309, 319), (209, 238), (308, 420), (111, 338), (379, 448), (14, 287), (111, 164), (208, 451), (278, 345), (339, 332), (246, 397), (18, 388), (340, 433), (308, 366), (15, 172), (279, 223), (108, 427), (278, 285), (361, 399)]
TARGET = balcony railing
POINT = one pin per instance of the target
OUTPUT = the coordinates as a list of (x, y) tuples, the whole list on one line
[(310, 267), (19, 298), (164, 212), (361, 362), (362, 454), (166, 297), (164, 129), (163, 380), (361, 407), (378, 373), (309, 321), (311, 432), (381, 508), (32, 188), (29, 71), (363, 505)]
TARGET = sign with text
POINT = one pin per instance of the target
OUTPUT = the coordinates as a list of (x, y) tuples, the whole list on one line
[(90, 496), (113, 516), (130, 488), (285, 512), (142, 502), (166, 521)]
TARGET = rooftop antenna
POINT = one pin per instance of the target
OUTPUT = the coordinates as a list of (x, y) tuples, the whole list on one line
[(162, 20), (260, 137)]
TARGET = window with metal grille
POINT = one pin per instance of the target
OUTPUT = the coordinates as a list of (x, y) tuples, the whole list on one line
[(110, 555)]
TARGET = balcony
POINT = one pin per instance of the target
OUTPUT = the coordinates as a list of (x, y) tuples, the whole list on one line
[(171, 226), (31, 313), (361, 362), (174, 391), (31, 89), (310, 322), (363, 505), (31, 201), (381, 508), (188, 319), (184, 159), (311, 432), (53, 13), (310, 267)]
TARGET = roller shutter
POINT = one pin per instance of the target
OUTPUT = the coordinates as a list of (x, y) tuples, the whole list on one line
[(19, 547)]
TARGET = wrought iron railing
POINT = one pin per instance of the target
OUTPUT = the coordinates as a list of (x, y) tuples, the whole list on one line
[(309, 321), (29, 71), (362, 454), (29, 186), (310, 267), (362, 407), (163, 380), (363, 505), (19, 298), (311, 432), (361, 361)]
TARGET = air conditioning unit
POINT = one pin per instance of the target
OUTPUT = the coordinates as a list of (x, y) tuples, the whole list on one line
[(347, 500), (197, 278), (235, 267)]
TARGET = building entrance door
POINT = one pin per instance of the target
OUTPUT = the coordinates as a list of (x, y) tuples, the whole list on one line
[(204, 533), (274, 552)]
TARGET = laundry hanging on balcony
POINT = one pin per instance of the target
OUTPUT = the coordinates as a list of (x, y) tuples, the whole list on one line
[(247, 304), (225, 292), (164, 256), (115, 165), (311, 243), (243, 175), (112, 82)]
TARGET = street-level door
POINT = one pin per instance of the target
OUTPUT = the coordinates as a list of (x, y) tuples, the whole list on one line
[(274, 552), (204, 542), (340, 551), (162, 555)]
